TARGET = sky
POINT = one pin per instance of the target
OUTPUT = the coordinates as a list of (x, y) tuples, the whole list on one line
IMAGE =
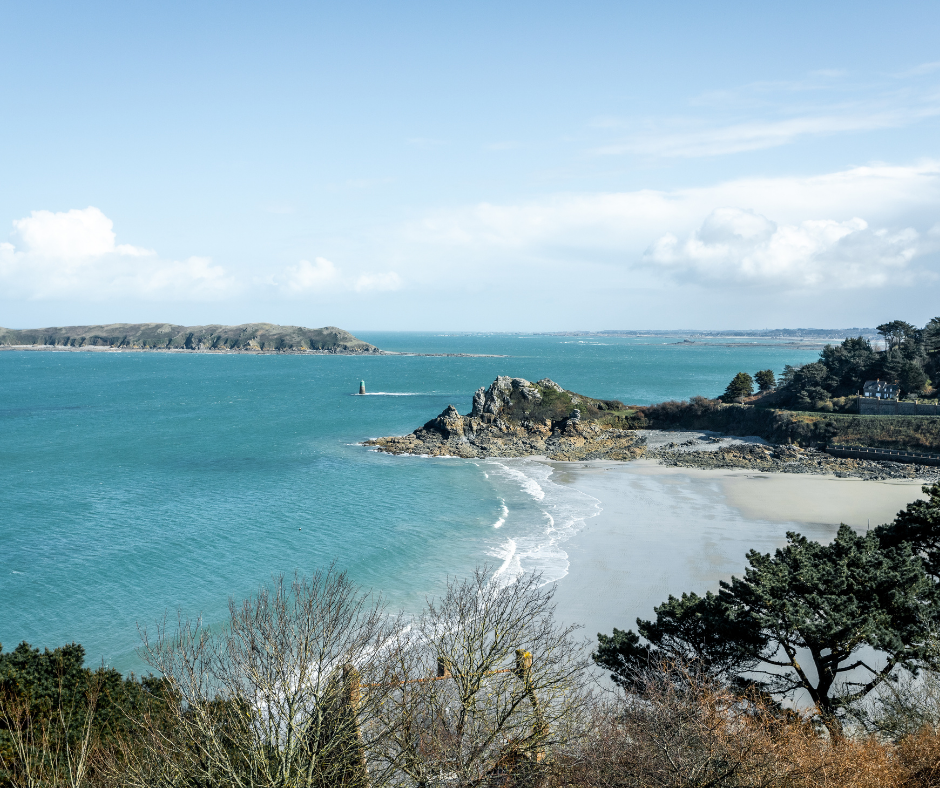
[(525, 166)]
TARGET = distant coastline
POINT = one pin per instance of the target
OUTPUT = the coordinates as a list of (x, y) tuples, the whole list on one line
[(244, 338), (240, 351), (247, 338)]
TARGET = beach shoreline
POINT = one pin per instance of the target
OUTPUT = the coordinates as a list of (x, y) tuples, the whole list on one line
[(667, 530)]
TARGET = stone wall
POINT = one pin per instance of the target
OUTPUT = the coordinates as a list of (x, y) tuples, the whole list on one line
[(884, 455), (869, 406)]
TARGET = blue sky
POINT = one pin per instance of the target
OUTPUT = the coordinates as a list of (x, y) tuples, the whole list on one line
[(488, 166)]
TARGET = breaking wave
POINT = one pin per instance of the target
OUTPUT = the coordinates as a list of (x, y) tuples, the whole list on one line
[(538, 517)]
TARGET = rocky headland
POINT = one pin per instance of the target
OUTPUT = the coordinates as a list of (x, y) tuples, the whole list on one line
[(246, 338), (517, 418)]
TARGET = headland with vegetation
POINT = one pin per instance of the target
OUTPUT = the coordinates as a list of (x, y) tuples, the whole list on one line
[(245, 338), (517, 418), (805, 412)]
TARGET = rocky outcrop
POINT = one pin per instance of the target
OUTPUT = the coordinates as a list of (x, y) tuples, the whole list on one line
[(249, 337), (790, 459), (517, 418)]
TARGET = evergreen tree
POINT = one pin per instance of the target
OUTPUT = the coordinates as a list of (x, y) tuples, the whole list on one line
[(765, 379), (825, 605), (896, 332), (912, 378), (809, 385), (918, 525), (849, 365), (742, 385)]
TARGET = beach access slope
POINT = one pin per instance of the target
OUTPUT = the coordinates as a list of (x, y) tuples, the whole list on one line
[(245, 338)]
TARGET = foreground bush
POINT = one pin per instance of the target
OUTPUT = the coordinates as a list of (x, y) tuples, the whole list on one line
[(679, 728), (313, 684)]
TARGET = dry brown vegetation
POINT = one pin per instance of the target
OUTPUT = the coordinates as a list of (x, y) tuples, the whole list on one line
[(680, 729)]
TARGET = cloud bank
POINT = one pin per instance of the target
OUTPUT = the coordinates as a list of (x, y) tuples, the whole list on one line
[(740, 246), (858, 228), (322, 275), (74, 255)]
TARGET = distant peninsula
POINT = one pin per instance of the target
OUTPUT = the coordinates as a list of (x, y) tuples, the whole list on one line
[(246, 338)]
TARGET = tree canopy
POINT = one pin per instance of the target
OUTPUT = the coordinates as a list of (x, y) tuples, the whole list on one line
[(911, 359), (802, 619), (741, 385), (765, 379), (917, 525), (896, 332)]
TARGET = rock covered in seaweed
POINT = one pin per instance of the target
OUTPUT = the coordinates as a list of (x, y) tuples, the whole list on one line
[(517, 418), (788, 459)]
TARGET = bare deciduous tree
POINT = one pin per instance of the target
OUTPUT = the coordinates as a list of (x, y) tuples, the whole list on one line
[(274, 698), (489, 684)]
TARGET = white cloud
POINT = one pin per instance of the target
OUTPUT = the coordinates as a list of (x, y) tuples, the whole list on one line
[(378, 282), (863, 222), (922, 69), (764, 115), (323, 276), (882, 194), (307, 277), (74, 255), (762, 134), (70, 235), (741, 246)]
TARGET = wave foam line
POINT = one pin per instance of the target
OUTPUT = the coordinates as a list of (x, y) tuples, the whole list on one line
[(528, 484), (535, 544), (503, 514), (396, 394), (510, 569)]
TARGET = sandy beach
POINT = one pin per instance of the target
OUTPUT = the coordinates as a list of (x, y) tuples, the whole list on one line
[(666, 530)]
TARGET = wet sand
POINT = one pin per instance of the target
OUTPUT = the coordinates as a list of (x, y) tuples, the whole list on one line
[(663, 530)]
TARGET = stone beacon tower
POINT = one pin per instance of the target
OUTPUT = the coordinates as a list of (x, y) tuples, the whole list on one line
[(362, 387)]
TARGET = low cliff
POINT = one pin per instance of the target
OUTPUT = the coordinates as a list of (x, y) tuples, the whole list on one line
[(257, 337), (516, 418)]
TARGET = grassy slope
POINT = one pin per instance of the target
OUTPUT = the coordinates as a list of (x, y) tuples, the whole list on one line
[(558, 405)]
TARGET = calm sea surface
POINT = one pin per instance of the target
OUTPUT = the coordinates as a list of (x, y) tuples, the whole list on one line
[(140, 484)]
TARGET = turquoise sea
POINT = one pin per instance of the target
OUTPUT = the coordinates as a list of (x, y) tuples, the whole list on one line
[(138, 485)]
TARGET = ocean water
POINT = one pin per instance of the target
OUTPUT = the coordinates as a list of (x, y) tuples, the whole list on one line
[(141, 485)]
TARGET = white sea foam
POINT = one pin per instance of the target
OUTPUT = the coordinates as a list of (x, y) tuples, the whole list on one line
[(526, 481), (548, 515), (510, 567), (396, 394), (503, 514)]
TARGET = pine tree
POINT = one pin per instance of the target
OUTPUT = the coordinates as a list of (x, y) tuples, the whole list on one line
[(808, 604), (765, 379), (742, 385)]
